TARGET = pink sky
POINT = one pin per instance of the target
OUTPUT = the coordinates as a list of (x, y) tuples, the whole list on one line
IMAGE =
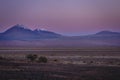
[(69, 17)]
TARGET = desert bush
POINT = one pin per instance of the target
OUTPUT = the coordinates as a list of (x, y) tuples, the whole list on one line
[(42, 59), (1, 58), (31, 57), (55, 60)]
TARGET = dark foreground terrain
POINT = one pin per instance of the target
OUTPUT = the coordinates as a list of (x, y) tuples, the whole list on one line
[(73, 64), (40, 71)]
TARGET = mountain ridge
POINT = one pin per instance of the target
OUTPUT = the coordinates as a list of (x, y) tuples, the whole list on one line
[(105, 32), (20, 33), (21, 36)]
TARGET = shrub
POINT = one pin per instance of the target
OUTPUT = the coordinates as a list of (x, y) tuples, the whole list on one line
[(42, 59), (1, 58), (31, 57), (55, 60)]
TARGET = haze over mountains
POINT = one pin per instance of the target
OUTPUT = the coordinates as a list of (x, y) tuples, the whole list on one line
[(20, 36)]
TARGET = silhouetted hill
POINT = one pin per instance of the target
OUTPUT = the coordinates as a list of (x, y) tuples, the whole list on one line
[(105, 35), (18, 32), (108, 33)]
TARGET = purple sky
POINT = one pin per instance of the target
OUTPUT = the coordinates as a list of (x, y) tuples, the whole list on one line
[(69, 17)]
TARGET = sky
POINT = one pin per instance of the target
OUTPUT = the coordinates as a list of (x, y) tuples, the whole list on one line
[(68, 17)]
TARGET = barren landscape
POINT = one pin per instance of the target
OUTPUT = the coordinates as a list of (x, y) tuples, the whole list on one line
[(59, 39), (62, 64)]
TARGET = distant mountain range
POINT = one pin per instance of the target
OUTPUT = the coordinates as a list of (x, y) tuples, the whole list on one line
[(20, 36), (18, 32)]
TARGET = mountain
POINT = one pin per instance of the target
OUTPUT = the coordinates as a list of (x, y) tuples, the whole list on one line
[(102, 35), (102, 38), (18, 32), (107, 33), (20, 36)]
